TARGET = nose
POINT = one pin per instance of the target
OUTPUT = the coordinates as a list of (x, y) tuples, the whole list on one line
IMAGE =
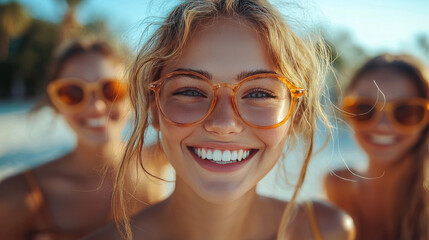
[(96, 104), (383, 122), (223, 120)]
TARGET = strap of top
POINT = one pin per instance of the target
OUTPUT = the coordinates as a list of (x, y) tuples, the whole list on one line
[(313, 221), (37, 203)]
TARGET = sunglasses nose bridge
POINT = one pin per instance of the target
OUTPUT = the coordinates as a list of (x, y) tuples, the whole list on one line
[(384, 116), (96, 100)]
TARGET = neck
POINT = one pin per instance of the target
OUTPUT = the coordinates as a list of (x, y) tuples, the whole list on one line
[(388, 192), (388, 172), (200, 219)]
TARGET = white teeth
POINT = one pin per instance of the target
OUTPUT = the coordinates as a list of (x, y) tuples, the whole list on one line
[(234, 155), (203, 154), (96, 122), (240, 155), (209, 154), (217, 155), (222, 156), (226, 156), (383, 139)]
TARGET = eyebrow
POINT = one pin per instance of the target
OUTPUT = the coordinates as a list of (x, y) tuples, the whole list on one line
[(240, 76), (204, 73), (246, 74)]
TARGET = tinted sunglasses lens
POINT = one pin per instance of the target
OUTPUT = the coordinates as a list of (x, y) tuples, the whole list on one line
[(409, 115), (361, 112), (70, 94), (114, 90)]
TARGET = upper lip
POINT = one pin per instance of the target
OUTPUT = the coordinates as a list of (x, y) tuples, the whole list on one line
[(221, 146)]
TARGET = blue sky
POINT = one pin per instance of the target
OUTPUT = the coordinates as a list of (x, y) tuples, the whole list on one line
[(377, 25)]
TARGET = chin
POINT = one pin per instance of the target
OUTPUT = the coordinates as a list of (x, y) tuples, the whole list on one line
[(98, 140), (220, 192)]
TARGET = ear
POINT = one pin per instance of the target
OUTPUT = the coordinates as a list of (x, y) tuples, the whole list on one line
[(154, 113)]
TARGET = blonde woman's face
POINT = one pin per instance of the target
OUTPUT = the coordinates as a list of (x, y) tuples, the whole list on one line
[(224, 50), (382, 140), (99, 121)]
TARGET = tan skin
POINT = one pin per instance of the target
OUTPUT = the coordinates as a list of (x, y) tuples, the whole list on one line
[(369, 201), (77, 187), (224, 205)]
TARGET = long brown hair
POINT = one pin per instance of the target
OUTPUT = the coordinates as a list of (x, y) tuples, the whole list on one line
[(303, 62), (413, 212)]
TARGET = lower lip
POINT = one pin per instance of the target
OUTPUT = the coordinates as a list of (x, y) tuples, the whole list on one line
[(214, 167), (97, 129)]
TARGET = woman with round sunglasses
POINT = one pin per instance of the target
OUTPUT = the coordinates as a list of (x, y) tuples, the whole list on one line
[(227, 85), (71, 196), (387, 107)]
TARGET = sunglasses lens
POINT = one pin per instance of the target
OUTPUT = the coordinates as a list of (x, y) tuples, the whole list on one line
[(361, 112), (70, 94), (409, 115), (114, 91)]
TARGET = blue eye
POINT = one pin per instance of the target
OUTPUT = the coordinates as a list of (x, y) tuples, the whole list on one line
[(259, 93)]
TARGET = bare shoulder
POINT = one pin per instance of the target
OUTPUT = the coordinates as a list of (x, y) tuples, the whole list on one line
[(340, 185), (17, 207), (340, 177), (333, 222), (146, 224), (320, 218), (108, 232)]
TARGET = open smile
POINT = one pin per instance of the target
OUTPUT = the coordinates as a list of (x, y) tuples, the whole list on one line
[(221, 160)]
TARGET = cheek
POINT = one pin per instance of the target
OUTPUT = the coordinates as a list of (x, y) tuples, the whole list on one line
[(274, 139), (119, 112), (71, 118), (172, 138), (410, 140)]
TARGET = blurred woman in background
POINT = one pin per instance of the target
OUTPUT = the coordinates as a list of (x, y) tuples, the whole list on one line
[(71, 196), (387, 107)]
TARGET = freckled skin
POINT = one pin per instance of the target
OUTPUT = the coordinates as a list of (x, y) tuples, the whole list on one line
[(223, 205)]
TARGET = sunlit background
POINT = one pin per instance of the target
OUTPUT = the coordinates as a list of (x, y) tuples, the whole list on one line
[(30, 29)]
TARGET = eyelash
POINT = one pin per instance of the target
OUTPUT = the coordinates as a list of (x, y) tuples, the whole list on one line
[(267, 94), (187, 90)]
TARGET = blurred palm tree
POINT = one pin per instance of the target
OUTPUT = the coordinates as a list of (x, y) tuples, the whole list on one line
[(70, 26), (422, 42), (14, 20)]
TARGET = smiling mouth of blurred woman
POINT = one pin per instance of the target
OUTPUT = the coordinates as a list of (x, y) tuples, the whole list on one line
[(223, 156), (383, 139)]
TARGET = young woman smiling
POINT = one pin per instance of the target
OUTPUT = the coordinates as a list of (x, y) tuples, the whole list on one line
[(71, 196), (227, 84), (387, 106)]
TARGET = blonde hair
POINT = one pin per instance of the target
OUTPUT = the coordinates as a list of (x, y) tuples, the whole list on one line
[(413, 211), (301, 62)]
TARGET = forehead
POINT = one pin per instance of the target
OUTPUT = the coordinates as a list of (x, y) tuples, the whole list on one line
[(394, 85), (91, 67), (223, 47)]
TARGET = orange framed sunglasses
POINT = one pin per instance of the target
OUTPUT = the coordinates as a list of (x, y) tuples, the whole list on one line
[(73, 94), (411, 114), (264, 101)]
